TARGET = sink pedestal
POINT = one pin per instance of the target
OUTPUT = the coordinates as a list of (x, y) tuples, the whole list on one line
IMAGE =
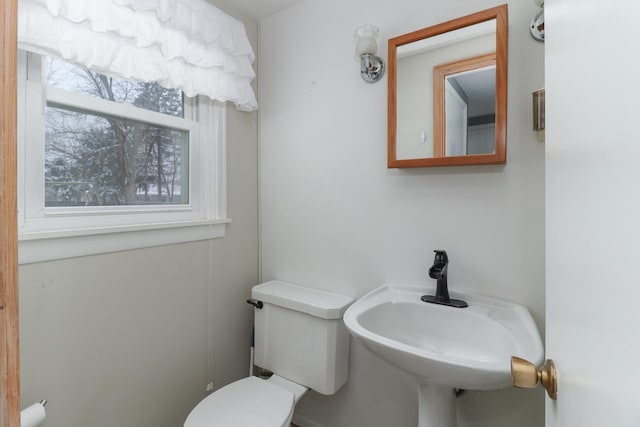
[(436, 406)]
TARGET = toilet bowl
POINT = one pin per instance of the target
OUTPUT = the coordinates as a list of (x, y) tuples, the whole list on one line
[(300, 337), (250, 402)]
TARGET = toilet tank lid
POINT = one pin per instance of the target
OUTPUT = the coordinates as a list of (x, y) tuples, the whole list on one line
[(315, 302)]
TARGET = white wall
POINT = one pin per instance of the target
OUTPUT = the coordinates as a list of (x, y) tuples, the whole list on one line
[(131, 339), (334, 217)]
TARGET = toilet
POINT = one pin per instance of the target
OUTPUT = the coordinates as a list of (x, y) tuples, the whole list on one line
[(301, 338)]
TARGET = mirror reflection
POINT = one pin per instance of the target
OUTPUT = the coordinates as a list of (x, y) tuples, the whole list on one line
[(469, 107), (447, 93)]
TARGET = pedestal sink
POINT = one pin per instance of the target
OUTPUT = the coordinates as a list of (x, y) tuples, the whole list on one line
[(445, 348)]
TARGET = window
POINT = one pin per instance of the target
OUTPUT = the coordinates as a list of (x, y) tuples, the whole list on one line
[(97, 159), (108, 164)]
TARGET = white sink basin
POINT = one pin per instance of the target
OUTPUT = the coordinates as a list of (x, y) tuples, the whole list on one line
[(465, 348)]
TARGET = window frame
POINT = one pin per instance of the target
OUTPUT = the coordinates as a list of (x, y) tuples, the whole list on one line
[(47, 233)]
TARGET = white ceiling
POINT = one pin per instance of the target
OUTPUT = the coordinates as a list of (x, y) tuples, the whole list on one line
[(259, 9)]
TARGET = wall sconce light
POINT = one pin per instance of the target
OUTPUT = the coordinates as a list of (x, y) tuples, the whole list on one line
[(371, 66), (536, 27), (538, 114)]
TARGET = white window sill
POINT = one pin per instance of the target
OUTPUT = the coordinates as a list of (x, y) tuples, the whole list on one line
[(60, 244)]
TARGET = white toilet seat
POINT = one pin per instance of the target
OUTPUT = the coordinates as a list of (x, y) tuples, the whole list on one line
[(249, 402)]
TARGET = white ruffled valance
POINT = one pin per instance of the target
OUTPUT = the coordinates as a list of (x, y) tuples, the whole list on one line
[(183, 44)]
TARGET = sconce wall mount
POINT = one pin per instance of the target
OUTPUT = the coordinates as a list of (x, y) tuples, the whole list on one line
[(536, 27), (371, 66)]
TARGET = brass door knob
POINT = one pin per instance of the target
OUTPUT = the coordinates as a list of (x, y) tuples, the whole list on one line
[(526, 375)]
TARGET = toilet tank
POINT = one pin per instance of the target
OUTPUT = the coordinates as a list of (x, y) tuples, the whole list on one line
[(300, 335)]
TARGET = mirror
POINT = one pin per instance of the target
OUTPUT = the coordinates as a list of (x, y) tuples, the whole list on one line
[(447, 102)]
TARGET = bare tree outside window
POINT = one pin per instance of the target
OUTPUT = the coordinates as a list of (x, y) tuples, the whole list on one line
[(100, 160)]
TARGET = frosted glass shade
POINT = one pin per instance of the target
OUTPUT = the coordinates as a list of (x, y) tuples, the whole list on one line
[(365, 37)]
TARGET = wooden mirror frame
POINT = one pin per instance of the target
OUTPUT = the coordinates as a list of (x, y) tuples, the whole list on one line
[(500, 14)]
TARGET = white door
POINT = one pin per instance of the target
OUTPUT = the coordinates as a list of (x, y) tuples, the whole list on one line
[(592, 60), (456, 121)]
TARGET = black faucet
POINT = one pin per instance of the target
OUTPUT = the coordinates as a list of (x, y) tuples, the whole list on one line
[(439, 272)]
